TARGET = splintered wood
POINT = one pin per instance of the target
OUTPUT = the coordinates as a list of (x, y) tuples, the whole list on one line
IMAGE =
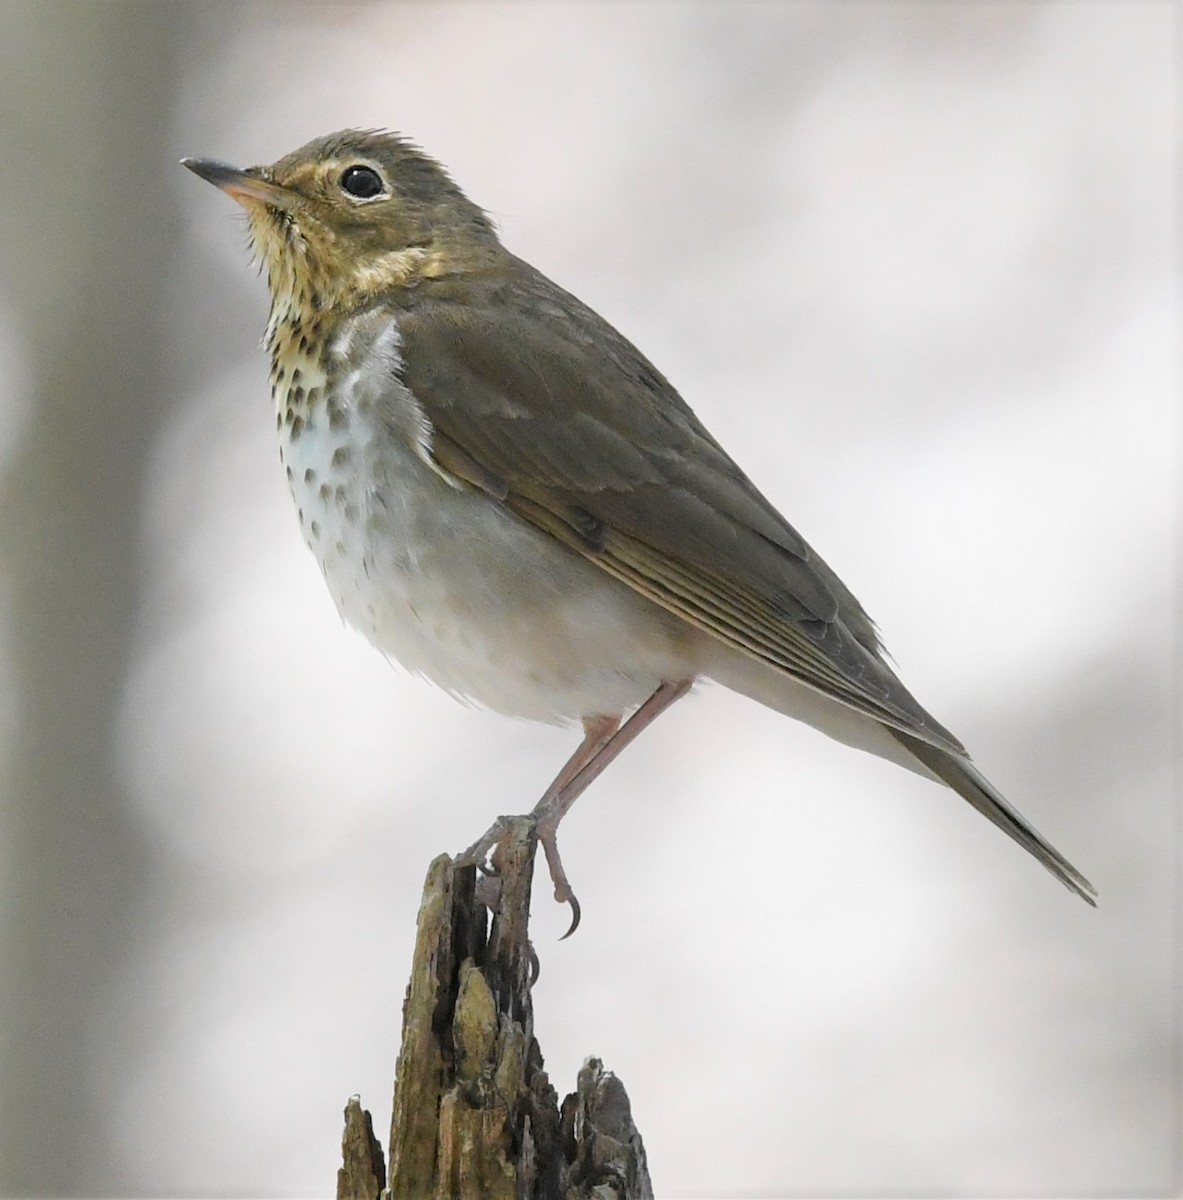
[(475, 1116)]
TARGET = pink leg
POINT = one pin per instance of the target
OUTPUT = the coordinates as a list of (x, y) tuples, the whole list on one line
[(557, 801), (597, 732), (604, 738)]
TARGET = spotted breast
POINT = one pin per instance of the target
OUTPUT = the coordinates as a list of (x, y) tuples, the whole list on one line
[(451, 587)]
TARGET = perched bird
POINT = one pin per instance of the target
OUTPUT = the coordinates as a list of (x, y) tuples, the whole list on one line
[(507, 497)]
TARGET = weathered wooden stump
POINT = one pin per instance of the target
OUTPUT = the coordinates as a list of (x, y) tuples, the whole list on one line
[(475, 1115)]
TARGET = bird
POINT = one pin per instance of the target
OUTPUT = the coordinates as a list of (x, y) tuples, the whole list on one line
[(505, 496)]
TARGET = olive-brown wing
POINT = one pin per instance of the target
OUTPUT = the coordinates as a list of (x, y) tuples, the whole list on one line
[(538, 401)]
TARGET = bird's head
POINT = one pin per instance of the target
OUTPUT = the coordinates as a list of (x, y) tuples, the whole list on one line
[(353, 215)]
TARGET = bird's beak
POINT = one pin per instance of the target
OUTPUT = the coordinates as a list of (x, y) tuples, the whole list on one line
[(243, 186)]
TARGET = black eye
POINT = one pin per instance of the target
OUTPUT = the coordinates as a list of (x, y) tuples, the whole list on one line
[(364, 183)]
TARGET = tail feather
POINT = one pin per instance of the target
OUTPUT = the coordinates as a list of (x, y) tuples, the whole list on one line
[(966, 780)]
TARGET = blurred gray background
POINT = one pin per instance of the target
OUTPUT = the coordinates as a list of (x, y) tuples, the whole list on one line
[(915, 266)]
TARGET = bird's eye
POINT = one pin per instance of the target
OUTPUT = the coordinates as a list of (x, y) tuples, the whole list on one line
[(363, 183)]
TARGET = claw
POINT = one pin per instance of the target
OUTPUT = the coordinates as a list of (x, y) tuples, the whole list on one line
[(477, 855), (604, 738), (575, 915), (563, 892)]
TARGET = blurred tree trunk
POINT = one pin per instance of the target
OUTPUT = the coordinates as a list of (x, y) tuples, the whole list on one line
[(86, 91)]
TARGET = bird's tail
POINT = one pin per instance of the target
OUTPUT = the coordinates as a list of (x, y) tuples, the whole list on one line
[(966, 780)]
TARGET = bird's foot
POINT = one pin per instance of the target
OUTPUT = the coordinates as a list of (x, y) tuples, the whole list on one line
[(547, 826), (477, 855), (482, 854)]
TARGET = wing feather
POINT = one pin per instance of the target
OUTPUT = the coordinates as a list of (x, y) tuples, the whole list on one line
[(537, 401)]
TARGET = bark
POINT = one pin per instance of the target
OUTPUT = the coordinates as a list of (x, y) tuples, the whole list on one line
[(475, 1115)]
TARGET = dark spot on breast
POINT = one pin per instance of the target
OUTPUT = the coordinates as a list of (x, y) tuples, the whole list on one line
[(290, 476), (297, 374), (296, 395), (339, 494), (315, 528), (340, 456), (309, 475), (297, 427), (325, 492), (338, 417)]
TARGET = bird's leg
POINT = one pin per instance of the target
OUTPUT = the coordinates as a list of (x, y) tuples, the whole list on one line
[(597, 732), (603, 739), (602, 743)]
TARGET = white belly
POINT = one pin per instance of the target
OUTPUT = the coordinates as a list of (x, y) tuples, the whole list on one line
[(453, 586)]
